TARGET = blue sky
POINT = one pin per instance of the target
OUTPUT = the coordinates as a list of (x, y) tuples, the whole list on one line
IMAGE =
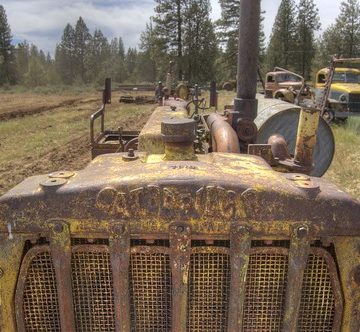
[(42, 21)]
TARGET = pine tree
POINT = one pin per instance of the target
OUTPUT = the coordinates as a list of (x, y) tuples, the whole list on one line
[(282, 40), (7, 52), (307, 22), (96, 57), (36, 75), (348, 26), (155, 48), (200, 43), (168, 21), (65, 55), (341, 38), (82, 38), (22, 59), (228, 35)]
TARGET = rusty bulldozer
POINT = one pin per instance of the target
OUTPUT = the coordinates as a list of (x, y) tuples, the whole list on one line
[(156, 237)]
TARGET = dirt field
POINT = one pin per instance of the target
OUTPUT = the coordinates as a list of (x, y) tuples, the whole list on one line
[(48, 133), (44, 133)]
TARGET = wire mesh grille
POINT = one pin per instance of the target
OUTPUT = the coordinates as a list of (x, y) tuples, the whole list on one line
[(40, 301), (150, 292), (93, 290), (317, 309), (265, 291), (209, 288)]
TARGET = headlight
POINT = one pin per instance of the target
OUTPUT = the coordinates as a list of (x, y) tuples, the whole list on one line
[(343, 98)]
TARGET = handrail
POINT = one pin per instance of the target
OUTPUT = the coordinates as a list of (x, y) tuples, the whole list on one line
[(93, 117)]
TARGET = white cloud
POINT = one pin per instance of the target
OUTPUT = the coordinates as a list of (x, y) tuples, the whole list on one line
[(42, 21)]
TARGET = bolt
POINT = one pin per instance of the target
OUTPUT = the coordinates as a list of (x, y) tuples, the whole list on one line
[(302, 231), (119, 229), (58, 228), (1, 273), (180, 229), (243, 230), (183, 248), (131, 153)]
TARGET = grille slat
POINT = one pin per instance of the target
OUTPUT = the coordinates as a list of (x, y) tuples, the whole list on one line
[(151, 287)]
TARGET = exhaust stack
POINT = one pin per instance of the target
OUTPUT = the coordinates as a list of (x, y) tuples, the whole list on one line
[(245, 103)]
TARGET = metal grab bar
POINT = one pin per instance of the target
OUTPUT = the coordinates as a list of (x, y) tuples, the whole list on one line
[(93, 117)]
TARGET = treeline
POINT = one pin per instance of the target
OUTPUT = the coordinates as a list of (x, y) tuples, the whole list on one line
[(182, 31), (80, 58), (293, 44)]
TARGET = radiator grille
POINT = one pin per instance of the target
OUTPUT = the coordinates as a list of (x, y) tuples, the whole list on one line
[(92, 289), (151, 286), (317, 309), (40, 301), (150, 292), (265, 290), (209, 287)]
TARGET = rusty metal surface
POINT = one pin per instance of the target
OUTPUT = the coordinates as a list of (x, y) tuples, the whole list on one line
[(298, 257), (240, 244), (60, 247), (225, 186), (119, 246), (180, 250)]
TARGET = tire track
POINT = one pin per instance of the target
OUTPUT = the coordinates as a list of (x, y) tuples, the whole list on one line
[(20, 113)]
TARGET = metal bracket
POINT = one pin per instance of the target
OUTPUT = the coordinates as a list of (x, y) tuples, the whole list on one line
[(120, 261), (180, 250), (298, 256), (240, 244), (60, 246)]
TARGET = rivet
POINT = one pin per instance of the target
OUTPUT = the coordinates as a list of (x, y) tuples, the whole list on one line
[(58, 228), (302, 231)]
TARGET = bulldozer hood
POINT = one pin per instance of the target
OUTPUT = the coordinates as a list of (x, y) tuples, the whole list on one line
[(209, 193)]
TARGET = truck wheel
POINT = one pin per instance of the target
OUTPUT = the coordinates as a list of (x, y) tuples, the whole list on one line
[(328, 116)]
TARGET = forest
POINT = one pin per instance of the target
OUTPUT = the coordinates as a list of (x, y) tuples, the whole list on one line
[(181, 31)]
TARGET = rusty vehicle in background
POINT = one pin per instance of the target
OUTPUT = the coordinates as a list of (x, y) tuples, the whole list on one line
[(285, 85), (238, 237), (341, 84)]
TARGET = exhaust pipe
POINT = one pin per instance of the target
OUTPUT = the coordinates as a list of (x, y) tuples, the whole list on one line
[(245, 103), (224, 138)]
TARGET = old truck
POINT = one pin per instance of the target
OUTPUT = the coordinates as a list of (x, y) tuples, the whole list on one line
[(344, 84), (284, 84), (159, 238)]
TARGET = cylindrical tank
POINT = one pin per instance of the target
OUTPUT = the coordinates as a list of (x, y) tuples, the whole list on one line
[(279, 117)]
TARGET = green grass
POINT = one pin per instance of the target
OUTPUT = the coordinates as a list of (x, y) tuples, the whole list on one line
[(345, 169)]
